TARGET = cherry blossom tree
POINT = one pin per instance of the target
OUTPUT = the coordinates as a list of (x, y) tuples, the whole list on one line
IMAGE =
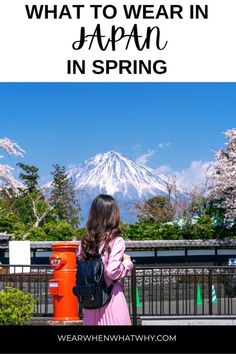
[(158, 209), (224, 176), (179, 206), (6, 176)]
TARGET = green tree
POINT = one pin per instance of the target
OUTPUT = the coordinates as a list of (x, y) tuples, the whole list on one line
[(30, 205), (59, 231), (23, 208), (158, 209), (16, 306), (63, 197), (203, 229), (214, 209), (23, 202), (144, 230), (29, 176), (150, 230), (7, 221)]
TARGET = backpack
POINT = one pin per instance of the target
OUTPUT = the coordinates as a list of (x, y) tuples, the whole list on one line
[(91, 288)]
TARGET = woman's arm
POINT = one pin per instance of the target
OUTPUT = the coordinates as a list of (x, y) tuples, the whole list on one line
[(118, 266)]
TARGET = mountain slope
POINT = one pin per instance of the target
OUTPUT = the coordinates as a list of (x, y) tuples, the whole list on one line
[(113, 173)]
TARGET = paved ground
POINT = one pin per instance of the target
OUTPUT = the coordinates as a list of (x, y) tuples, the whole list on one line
[(188, 320), (47, 321), (152, 320)]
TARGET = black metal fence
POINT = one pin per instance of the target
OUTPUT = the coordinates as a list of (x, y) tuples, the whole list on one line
[(185, 291), (32, 279), (149, 290)]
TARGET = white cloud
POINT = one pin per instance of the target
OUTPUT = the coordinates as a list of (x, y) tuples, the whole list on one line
[(163, 145), (193, 175), (144, 158), (164, 169)]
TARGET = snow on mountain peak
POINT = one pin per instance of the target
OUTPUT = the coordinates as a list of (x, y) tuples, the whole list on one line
[(115, 174)]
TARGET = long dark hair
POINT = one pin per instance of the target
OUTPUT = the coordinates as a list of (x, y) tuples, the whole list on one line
[(103, 225)]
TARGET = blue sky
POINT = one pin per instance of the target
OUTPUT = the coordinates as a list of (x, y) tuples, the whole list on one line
[(167, 126)]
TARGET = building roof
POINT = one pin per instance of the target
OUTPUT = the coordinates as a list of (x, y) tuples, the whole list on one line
[(4, 236), (151, 244), (139, 245)]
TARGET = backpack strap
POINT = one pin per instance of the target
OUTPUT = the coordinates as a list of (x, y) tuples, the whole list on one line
[(102, 252)]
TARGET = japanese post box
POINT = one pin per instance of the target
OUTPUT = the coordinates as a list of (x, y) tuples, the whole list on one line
[(63, 262)]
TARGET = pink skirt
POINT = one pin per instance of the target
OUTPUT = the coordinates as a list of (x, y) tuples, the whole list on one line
[(116, 312)]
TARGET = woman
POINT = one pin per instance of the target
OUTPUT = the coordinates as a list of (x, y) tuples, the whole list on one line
[(103, 236)]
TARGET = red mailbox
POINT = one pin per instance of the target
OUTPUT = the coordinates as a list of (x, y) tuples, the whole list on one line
[(63, 262)]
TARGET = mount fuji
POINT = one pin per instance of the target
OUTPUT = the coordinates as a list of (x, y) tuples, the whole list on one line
[(114, 174)]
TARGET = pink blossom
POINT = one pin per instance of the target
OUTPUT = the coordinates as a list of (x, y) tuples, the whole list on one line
[(6, 177), (224, 176)]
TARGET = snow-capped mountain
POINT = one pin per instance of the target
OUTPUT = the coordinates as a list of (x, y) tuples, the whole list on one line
[(115, 174)]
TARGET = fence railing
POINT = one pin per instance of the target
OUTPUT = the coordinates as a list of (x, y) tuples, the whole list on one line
[(32, 279), (185, 291), (149, 290)]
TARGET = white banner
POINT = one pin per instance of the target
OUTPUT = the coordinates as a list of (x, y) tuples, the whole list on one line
[(89, 41), (19, 255)]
